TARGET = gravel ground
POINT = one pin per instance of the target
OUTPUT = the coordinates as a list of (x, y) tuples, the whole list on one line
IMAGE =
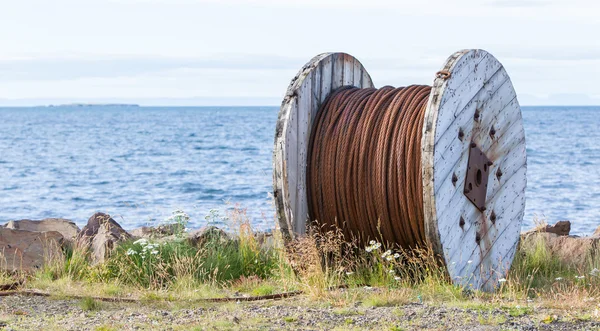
[(39, 313)]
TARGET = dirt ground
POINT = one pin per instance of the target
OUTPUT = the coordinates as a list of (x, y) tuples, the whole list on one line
[(41, 313)]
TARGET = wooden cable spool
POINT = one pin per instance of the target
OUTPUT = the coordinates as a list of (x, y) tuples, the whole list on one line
[(473, 159)]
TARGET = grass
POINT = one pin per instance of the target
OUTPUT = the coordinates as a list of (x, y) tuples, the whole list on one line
[(318, 264), (89, 304)]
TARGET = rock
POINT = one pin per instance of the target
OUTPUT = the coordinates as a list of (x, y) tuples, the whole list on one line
[(27, 251), (100, 236), (67, 228), (200, 237), (150, 232), (577, 251), (561, 228)]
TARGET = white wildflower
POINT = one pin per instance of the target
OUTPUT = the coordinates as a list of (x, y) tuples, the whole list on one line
[(154, 252), (389, 257), (580, 277), (142, 242), (386, 253), (372, 242), (397, 278), (396, 256), (377, 245), (368, 249), (558, 279), (392, 271), (131, 252)]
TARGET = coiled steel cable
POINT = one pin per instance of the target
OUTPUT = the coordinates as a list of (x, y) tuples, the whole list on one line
[(364, 163)]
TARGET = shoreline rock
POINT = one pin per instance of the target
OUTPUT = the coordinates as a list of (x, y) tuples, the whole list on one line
[(67, 228), (28, 250), (100, 236)]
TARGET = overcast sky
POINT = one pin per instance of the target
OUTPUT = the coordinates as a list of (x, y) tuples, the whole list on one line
[(201, 52)]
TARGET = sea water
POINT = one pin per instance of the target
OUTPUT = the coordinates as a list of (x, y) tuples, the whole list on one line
[(139, 164)]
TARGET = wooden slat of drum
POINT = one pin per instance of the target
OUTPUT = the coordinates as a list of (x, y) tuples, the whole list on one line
[(306, 92), (315, 93), (291, 154), (357, 73), (305, 98), (278, 175), (337, 77), (348, 74), (326, 74)]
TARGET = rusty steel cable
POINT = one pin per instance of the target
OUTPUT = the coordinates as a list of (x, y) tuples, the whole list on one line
[(364, 163)]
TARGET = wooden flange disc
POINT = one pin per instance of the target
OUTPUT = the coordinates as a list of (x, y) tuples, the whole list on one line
[(313, 83), (473, 102)]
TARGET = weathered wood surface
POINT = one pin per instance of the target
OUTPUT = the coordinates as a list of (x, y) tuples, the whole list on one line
[(313, 83), (477, 83)]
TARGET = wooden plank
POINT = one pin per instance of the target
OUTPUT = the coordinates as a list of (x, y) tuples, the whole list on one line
[(357, 74), (337, 77), (348, 74), (326, 74), (305, 97), (291, 162)]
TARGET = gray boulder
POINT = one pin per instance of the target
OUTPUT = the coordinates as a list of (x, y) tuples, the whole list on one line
[(100, 236), (67, 228), (571, 250), (27, 251), (201, 237), (560, 228)]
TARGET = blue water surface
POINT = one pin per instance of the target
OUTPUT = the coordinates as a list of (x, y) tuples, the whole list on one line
[(140, 164)]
